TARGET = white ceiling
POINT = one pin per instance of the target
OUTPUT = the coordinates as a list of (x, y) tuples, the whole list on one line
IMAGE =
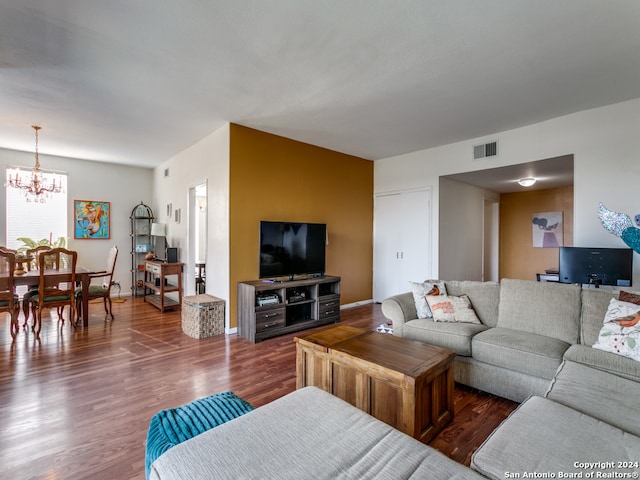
[(137, 81)]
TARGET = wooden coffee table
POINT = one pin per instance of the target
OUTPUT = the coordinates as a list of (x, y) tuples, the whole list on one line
[(405, 383)]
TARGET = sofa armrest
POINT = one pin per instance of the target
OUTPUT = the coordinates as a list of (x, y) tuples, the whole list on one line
[(399, 309)]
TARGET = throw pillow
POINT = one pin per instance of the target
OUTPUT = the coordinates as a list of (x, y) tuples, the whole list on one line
[(620, 333), (420, 293), (175, 425), (447, 308), (629, 297)]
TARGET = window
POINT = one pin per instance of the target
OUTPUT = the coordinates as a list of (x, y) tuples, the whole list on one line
[(33, 219)]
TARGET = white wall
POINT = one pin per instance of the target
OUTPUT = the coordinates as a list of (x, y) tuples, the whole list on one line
[(462, 230), (123, 186), (604, 141), (206, 161)]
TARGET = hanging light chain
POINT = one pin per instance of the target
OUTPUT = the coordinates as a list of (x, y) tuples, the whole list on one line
[(36, 128)]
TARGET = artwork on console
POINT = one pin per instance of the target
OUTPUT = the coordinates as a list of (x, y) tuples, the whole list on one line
[(92, 219), (547, 229)]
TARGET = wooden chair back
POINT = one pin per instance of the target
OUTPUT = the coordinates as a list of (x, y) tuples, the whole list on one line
[(56, 290), (62, 260), (8, 299), (34, 254), (7, 269)]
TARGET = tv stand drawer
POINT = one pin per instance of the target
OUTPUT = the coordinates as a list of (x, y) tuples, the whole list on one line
[(329, 306), (270, 319)]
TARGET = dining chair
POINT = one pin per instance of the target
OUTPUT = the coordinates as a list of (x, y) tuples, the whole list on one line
[(9, 301), (56, 287), (103, 290), (33, 254)]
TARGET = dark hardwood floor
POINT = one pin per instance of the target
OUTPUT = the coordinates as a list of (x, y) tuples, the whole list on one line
[(77, 404)]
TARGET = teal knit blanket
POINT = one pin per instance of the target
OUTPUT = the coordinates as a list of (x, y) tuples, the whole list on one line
[(173, 426)]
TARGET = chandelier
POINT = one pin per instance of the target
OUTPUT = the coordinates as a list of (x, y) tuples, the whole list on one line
[(34, 183)]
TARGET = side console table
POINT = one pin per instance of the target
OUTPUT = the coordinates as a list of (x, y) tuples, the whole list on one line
[(156, 280)]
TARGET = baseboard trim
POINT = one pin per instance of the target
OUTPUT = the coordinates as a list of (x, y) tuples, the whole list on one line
[(356, 304)]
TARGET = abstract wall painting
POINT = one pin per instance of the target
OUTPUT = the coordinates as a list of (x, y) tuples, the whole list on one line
[(92, 219), (547, 230)]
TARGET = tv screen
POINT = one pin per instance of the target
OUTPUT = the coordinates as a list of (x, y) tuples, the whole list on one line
[(596, 266), (288, 249)]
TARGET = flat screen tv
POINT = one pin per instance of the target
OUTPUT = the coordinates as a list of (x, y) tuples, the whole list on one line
[(596, 266), (288, 249)]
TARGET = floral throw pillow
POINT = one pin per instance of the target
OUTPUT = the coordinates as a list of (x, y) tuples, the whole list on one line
[(620, 333), (452, 309), (423, 290)]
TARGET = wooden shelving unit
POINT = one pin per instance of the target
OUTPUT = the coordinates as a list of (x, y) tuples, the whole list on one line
[(141, 244), (162, 278)]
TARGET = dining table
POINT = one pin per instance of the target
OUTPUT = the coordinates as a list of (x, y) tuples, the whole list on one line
[(32, 278)]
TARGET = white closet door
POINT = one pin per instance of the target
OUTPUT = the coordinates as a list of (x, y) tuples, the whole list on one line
[(416, 238), (387, 239), (402, 241)]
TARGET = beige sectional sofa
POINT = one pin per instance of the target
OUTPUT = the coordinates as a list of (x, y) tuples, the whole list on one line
[(307, 434), (580, 412), (528, 328), (580, 416)]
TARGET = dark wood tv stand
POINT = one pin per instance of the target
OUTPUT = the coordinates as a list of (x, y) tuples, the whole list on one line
[(268, 308)]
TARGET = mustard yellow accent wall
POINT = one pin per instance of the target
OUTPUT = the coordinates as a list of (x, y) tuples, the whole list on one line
[(279, 179), (518, 258)]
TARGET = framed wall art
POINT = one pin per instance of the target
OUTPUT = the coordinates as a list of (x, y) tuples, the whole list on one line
[(92, 220), (547, 229)]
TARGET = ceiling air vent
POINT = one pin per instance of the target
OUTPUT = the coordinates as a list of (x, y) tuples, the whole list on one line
[(485, 150)]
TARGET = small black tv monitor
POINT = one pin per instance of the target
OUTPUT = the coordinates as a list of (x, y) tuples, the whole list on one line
[(289, 249), (596, 266)]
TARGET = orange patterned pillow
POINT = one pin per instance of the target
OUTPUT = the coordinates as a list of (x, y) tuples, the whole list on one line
[(452, 309)]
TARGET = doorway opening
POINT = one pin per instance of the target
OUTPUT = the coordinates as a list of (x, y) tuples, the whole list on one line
[(197, 278)]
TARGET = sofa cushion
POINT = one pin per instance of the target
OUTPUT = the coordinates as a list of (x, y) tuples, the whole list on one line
[(599, 394), (307, 434), (421, 291), (543, 308), (545, 436), (454, 336), (608, 362), (595, 302), (449, 308), (523, 352), (484, 297)]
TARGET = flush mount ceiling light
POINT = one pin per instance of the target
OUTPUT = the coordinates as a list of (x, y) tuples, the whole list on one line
[(527, 182)]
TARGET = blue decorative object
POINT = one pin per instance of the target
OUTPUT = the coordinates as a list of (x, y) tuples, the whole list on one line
[(173, 426), (620, 225)]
